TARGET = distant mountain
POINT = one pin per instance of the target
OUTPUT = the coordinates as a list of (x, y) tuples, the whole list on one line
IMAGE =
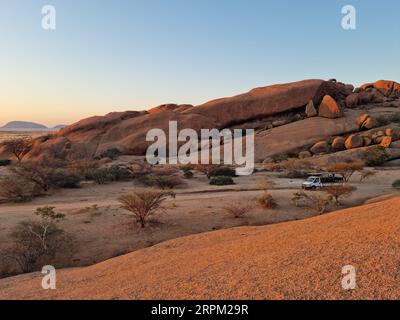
[(60, 126), (23, 125)]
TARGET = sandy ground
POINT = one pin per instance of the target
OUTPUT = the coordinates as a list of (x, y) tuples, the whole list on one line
[(293, 260), (107, 230)]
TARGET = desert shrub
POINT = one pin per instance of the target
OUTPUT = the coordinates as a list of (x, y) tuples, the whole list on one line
[(113, 153), (62, 178), (292, 155), (316, 202), (83, 167), (264, 184), (144, 203), (221, 181), (110, 174), (45, 176), (221, 171), (375, 156), (346, 169), (187, 167), (339, 191), (188, 174), (120, 173), (38, 241), (266, 201), (205, 168), (4, 163), (161, 181), (280, 157), (16, 189), (396, 184), (100, 176), (366, 174), (237, 209)]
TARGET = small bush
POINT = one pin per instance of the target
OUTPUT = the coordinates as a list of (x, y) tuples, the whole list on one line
[(267, 201), (110, 174), (16, 189), (221, 181), (221, 171), (37, 242), (188, 174), (187, 167), (396, 184), (113, 153), (64, 179), (144, 203), (4, 163), (237, 209), (161, 181)]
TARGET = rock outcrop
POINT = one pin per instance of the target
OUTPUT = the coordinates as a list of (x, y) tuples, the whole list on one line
[(320, 147), (310, 110), (329, 108), (354, 141), (126, 131)]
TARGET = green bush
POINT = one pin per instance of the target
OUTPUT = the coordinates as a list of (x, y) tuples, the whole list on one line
[(64, 179), (222, 172), (396, 184), (110, 174), (4, 163), (161, 181), (188, 174), (221, 181), (111, 153)]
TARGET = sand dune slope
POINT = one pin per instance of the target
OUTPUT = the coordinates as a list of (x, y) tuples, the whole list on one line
[(295, 260)]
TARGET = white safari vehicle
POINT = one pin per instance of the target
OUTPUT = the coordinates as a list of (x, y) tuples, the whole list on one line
[(320, 180)]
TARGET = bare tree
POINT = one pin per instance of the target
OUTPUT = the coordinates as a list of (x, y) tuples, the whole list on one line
[(19, 147), (339, 191), (316, 202), (238, 209)]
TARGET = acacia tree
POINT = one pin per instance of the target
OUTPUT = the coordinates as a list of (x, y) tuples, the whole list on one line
[(347, 169), (19, 147), (339, 191)]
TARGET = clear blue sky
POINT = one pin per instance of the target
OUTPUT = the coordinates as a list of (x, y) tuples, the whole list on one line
[(133, 54)]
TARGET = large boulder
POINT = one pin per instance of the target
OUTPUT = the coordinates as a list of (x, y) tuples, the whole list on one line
[(385, 87), (354, 141), (365, 121), (352, 100), (338, 144), (310, 110), (386, 142), (320, 147), (329, 108), (370, 123)]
